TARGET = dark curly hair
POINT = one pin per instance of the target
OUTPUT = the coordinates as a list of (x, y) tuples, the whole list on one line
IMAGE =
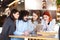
[(22, 14)]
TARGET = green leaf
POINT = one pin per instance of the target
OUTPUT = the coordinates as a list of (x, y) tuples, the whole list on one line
[(58, 2)]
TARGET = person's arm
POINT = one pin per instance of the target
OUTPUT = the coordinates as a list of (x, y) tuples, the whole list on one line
[(43, 24), (51, 25), (5, 29), (31, 26)]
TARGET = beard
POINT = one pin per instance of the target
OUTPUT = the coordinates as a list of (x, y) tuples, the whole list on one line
[(25, 20)]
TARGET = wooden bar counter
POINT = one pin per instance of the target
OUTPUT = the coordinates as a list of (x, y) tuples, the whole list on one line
[(35, 37)]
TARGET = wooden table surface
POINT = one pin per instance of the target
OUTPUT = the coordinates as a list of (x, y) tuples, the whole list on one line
[(47, 33), (37, 37), (30, 37)]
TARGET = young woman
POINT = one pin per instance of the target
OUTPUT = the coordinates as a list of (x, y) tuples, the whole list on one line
[(35, 21), (35, 18), (47, 22), (23, 26), (9, 25)]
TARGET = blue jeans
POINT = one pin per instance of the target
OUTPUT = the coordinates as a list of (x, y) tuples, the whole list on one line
[(17, 38)]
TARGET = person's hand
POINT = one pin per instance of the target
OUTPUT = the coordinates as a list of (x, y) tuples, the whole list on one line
[(46, 22), (26, 33)]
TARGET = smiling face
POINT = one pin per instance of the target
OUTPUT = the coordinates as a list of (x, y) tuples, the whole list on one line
[(35, 16), (46, 17), (25, 18), (16, 15)]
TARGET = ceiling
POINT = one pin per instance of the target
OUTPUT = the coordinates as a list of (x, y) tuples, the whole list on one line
[(4, 3)]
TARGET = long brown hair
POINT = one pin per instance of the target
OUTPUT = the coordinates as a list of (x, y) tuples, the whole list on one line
[(38, 14)]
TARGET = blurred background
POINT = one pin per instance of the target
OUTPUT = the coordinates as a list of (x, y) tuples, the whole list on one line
[(31, 5)]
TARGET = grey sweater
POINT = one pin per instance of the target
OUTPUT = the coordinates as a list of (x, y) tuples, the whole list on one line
[(8, 29)]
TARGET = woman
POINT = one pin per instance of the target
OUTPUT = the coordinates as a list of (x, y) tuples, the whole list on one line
[(35, 21), (22, 25), (47, 22), (9, 25), (35, 18)]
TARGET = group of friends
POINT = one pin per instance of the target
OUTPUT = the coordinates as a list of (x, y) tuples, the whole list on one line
[(18, 23)]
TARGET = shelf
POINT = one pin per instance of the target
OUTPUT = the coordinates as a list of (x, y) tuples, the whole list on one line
[(58, 18), (58, 14)]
